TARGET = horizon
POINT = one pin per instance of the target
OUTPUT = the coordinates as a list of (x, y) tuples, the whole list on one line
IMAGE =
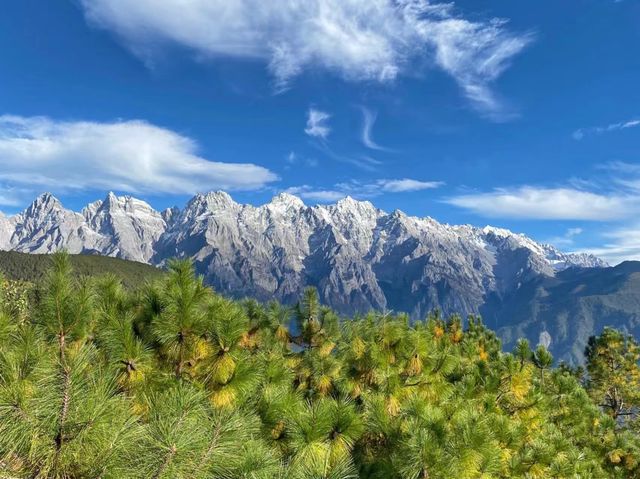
[(523, 117)]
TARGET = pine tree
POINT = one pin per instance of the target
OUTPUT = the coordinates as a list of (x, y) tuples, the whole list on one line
[(543, 360), (60, 416), (180, 322), (227, 366), (614, 373)]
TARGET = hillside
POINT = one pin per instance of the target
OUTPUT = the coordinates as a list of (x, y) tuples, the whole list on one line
[(567, 309), (32, 267), (563, 310)]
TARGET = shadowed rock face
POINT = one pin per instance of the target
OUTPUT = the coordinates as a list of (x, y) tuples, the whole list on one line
[(568, 308)]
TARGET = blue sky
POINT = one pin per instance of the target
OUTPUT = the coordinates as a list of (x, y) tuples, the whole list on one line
[(524, 115)]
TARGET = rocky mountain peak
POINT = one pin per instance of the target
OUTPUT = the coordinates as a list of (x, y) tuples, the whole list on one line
[(111, 199), (221, 198), (6, 231), (350, 203), (209, 202), (198, 205), (286, 200), (355, 209), (91, 209), (170, 214), (43, 204), (126, 203)]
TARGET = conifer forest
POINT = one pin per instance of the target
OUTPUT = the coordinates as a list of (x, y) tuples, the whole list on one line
[(170, 380)]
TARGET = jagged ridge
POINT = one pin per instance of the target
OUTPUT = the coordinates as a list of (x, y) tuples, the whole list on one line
[(359, 257)]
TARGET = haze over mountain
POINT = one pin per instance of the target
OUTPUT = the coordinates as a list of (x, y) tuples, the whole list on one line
[(359, 257)]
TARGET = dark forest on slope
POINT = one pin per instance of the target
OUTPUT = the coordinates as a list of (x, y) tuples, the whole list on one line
[(33, 267)]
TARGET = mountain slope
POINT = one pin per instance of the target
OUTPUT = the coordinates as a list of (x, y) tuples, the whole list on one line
[(566, 309), (127, 227), (359, 257), (121, 227)]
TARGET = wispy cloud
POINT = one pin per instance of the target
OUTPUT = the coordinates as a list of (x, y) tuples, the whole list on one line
[(476, 54), (620, 244), (368, 120), (567, 239), (359, 40), (363, 162), (599, 130), (621, 241), (572, 232), (407, 184), (530, 202), (362, 190), (316, 194), (612, 199), (133, 156), (294, 159), (9, 198), (317, 123)]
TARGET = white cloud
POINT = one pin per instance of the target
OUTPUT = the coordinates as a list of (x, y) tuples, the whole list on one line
[(359, 40), (620, 244), (359, 189), (599, 130), (13, 196), (317, 123), (475, 54), (7, 199), (133, 156), (320, 195), (406, 185), (361, 161), (368, 120), (529, 202), (567, 239), (613, 198), (293, 159)]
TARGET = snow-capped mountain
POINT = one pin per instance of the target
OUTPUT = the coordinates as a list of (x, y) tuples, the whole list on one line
[(127, 228), (358, 256), (123, 227)]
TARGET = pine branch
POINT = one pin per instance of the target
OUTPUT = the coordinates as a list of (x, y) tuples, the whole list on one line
[(166, 462), (64, 408), (204, 460)]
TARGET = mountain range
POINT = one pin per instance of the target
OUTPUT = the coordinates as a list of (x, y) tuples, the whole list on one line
[(359, 258)]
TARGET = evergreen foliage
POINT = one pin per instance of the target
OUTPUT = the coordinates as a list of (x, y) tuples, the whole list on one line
[(174, 381), (614, 373)]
